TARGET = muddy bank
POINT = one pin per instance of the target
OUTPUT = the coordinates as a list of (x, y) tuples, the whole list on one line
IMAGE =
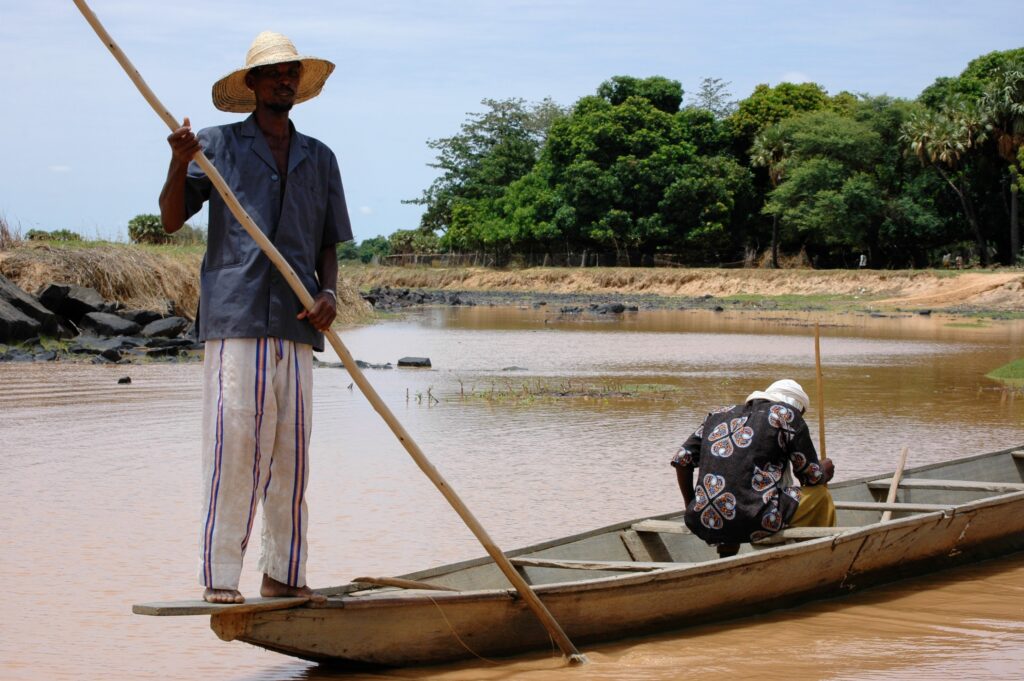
[(965, 292)]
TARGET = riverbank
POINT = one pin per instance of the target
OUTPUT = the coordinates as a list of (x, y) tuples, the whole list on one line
[(998, 292), (159, 277)]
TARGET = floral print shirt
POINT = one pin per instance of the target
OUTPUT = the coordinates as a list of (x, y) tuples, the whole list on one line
[(742, 452)]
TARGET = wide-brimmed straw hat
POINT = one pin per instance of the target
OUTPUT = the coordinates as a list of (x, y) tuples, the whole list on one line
[(230, 93)]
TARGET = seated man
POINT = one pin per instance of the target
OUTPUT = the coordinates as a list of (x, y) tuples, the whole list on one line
[(742, 452)]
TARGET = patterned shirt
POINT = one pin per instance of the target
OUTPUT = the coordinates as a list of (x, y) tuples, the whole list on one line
[(742, 452), (242, 293)]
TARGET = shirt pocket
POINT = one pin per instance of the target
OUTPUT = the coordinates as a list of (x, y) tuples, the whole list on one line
[(306, 206), (223, 247)]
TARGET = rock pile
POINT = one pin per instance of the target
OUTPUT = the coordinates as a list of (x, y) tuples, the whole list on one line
[(387, 298), (92, 328)]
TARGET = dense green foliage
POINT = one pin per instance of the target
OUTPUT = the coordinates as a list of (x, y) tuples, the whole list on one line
[(631, 174), (54, 235), (147, 228)]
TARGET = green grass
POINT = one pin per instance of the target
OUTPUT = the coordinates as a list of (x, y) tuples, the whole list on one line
[(973, 324), (1012, 373), (797, 302)]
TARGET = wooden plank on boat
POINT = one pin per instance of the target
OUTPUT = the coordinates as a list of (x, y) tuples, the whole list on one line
[(1018, 454), (635, 545), (663, 526), (804, 533), (175, 608), (401, 583), (610, 565), (897, 506), (950, 485)]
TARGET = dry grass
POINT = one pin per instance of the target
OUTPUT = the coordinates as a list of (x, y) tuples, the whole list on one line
[(992, 290), (8, 238), (134, 276), (141, 277)]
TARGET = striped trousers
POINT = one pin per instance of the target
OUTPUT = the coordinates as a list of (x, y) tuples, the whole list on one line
[(257, 417)]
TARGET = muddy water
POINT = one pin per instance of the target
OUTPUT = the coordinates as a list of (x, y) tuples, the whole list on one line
[(100, 501)]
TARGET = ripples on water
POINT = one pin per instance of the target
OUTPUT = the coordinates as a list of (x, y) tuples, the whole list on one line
[(102, 492)]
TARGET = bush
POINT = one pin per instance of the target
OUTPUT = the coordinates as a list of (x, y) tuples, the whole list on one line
[(189, 235), (55, 235), (147, 229)]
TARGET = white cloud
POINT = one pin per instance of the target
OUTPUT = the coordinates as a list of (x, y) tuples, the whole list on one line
[(794, 77), (365, 210), (59, 169)]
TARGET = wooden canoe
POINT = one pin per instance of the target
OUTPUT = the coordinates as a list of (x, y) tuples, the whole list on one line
[(645, 575)]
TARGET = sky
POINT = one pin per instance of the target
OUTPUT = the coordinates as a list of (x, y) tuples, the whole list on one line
[(82, 150)]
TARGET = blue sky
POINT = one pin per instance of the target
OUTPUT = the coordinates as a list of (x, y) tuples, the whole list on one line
[(83, 151)]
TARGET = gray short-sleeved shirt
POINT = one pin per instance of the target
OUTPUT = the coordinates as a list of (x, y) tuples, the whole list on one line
[(242, 295)]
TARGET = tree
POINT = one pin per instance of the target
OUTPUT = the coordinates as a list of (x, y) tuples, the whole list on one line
[(945, 139), (147, 229), (663, 94), (714, 97), (768, 105), (770, 149), (827, 194), (492, 149), (1002, 105)]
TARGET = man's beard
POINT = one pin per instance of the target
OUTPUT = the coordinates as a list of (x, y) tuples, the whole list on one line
[(283, 107)]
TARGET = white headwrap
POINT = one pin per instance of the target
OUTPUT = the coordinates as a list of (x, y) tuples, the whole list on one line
[(786, 391)]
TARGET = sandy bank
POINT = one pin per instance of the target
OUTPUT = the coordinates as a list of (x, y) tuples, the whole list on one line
[(997, 290)]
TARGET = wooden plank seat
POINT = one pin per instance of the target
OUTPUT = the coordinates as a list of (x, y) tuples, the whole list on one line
[(662, 526), (798, 533), (895, 506), (610, 565), (950, 485)]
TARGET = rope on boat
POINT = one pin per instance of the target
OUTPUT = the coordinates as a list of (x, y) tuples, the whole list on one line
[(456, 634)]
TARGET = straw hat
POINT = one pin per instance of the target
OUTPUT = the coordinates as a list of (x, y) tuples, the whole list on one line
[(230, 93), (787, 391)]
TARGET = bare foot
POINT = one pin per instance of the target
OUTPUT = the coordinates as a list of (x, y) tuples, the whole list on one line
[(271, 588), (223, 596)]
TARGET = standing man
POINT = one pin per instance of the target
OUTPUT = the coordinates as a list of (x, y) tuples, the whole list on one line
[(257, 397), (743, 452)]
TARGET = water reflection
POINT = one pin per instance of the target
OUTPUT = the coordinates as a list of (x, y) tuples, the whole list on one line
[(102, 493)]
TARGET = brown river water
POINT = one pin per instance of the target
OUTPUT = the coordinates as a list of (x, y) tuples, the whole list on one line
[(101, 482)]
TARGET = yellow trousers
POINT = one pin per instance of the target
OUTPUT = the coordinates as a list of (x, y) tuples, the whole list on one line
[(816, 508)]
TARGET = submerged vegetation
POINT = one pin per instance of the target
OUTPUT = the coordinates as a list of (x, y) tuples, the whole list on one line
[(538, 390), (1011, 374)]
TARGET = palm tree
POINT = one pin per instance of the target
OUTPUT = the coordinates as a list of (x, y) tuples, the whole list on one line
[(770, 149), (944, 139), (1003, 106)]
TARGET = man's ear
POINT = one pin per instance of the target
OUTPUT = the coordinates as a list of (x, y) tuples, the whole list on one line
[(249, 80)]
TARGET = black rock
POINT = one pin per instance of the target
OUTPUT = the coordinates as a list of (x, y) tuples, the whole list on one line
[(94, 346), (45, 356), (169, 343), (15, 325), (719, 308), (111, 354), (107, 324), (13, 298), (166, 328), (414, 362), (71, 302), (367, 365), (124, 380), (140, 317)]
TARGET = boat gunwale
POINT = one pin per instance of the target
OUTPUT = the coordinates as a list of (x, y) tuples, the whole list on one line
[(341, 596), (395, 598)]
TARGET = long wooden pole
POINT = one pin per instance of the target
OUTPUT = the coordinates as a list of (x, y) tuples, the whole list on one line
[(895, 484), (821, 393), (524, 589)]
